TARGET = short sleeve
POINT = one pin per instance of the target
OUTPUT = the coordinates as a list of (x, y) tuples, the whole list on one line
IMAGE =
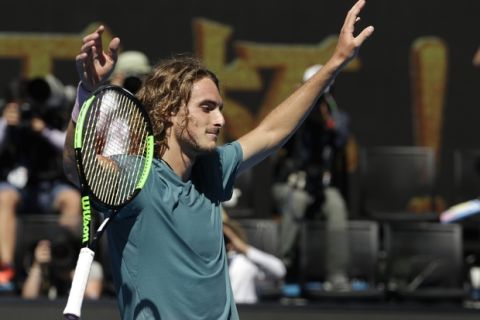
[(230, 157)]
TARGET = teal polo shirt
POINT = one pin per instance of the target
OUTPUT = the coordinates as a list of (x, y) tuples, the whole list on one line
[(167, 251)]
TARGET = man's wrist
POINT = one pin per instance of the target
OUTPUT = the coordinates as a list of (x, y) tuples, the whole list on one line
[(82, 95), (85, 87)]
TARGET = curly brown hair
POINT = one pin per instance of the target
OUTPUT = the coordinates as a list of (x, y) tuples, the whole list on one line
[(166, 89)]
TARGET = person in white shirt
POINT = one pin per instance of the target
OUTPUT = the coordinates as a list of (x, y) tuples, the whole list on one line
[(247, 264)]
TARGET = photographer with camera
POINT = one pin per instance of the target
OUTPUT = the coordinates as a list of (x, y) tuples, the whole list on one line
[(32, 134), (52, 265)]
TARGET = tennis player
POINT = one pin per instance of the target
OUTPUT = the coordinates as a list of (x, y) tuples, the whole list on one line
[(168, 257)]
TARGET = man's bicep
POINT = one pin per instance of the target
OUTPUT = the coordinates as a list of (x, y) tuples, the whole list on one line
[(255, 146)]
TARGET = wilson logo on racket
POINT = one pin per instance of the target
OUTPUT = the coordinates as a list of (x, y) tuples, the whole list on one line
[(86, 212)]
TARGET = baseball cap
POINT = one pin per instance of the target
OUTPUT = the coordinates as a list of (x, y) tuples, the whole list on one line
[(310, 71), (132, 63)]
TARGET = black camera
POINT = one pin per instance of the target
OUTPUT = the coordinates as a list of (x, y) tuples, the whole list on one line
[(42, 97), (38, 104), (132, 84)]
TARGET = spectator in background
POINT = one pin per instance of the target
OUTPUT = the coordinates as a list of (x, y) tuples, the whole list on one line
[(132, 66), (52, 266), (247, 265), (32, 134), (311, 175), (476, 58)]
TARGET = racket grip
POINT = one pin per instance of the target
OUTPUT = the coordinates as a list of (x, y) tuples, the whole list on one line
[(79, 283)]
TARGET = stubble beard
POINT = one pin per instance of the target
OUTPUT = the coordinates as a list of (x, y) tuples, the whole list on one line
[(190, 143)]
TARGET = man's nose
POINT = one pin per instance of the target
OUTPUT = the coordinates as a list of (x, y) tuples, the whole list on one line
[(219, 119)]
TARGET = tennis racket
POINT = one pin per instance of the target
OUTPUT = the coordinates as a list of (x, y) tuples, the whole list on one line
[(114, 149)]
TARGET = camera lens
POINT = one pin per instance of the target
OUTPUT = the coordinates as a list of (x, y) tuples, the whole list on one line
[(38, 90), (132, 84)]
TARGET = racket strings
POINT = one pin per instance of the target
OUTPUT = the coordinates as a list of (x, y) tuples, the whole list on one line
[(127, 182), (137, 146), (94, 143), (102, 142), (116, 129), (115, 139), (119, 184), (112, 129)]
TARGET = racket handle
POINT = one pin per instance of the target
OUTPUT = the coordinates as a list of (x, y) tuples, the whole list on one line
[(79, 283)]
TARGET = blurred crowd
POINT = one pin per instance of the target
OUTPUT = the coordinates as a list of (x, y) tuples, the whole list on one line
[(40, 211)]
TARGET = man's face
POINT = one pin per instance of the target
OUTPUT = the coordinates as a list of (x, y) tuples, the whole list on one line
[(205, 119)]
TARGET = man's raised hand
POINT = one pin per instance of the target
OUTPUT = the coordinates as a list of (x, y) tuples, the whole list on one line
[(94, 65)]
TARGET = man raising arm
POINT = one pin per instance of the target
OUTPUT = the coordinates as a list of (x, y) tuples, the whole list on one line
[(166, 246), (279, 125)]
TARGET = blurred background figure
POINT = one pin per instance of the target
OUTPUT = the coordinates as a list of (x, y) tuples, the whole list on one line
[(50, 264), (310, 182), (131, 68), (32, 133), (248, 266), (476, 58)]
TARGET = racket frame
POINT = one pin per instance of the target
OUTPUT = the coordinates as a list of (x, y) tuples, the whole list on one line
[(87, 253)]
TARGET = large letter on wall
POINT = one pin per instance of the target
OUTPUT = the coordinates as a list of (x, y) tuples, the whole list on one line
[(37, 51), (286, 63), (429, 64)]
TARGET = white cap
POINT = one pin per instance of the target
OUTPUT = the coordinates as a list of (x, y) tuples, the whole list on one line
[(132, 63), (310, 71)]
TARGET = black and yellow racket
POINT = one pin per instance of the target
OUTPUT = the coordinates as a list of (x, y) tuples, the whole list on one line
[(114, 149)]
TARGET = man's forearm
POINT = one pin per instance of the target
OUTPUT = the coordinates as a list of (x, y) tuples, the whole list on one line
[(287, 116), (281, 122), (69, 164)]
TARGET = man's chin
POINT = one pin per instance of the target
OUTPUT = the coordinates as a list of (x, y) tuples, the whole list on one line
[(205, 149), (209, 149)]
